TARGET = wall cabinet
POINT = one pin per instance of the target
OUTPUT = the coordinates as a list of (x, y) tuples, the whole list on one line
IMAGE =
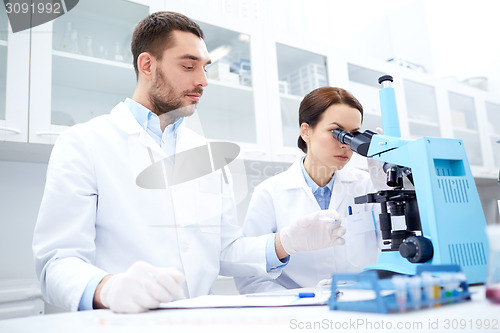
[(79, 66), (14, 82)]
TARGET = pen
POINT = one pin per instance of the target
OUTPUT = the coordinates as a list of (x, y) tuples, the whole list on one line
[(299, 295)]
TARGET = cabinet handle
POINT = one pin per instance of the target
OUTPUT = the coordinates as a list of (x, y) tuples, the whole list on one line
[(8, 129), (47, 133), (287, 154), (255, 152)]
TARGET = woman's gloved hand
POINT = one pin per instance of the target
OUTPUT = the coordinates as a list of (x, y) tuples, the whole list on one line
[(315, 231), (141, 287)]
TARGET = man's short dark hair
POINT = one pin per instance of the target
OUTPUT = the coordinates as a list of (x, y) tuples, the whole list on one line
[(153, 34)]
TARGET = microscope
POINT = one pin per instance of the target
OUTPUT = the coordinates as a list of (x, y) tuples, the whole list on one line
[(444, 220)]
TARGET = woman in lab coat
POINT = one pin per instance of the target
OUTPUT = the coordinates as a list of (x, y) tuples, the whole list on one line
[(318, 180)]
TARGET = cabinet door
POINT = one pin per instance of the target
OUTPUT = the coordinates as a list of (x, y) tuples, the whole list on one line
[(296, 73), (81, 65), (228, 108), (299, 72), (422, 111), (363, 84), (465, 126), (14, 82), (493, 114)]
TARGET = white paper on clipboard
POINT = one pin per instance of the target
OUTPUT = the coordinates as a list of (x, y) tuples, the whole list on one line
[(253, 300), (361, 239)]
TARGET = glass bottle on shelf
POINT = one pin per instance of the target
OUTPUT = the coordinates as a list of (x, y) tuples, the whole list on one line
[(118, 56), (89, 46), (69, 42)]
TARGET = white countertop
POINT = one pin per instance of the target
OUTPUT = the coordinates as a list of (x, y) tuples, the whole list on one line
[(477, 315)]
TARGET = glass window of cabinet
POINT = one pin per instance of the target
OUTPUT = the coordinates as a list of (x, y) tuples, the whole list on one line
[(227, 110), (363, 84), (421, 106), (3, 62), (92, 65), (493, 114), (464, 122), (299, 72)]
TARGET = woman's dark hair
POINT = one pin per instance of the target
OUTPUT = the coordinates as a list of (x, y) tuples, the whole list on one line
[(153, 33), (317, 101)]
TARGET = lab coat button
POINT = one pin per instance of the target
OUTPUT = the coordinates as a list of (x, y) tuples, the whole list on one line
[(185, 246)]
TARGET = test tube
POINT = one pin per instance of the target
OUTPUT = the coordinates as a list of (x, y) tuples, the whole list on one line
[(436, 285), (428, 283), (399, 283), (415, 287), (460, 278), (447, 281)]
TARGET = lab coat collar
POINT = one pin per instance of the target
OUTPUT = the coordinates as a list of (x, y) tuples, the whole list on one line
[(343, 178), (124, 119), (297, 178)]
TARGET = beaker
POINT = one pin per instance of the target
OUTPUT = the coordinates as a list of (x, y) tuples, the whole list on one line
[(493, 276)]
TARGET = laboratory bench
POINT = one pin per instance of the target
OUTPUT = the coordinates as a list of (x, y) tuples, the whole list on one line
[(470, 316)]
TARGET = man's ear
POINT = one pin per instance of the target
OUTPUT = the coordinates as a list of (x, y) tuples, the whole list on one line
[(145, 65), (305, 132)]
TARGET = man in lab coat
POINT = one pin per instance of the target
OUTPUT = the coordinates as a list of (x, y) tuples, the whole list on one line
[(104, 240)]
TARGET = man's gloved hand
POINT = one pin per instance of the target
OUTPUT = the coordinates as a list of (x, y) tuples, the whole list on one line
[(141, 287), (377, 173), (315, 231)]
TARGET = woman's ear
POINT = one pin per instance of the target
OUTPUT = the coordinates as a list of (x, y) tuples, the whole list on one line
[(145, 64), (305, 132)]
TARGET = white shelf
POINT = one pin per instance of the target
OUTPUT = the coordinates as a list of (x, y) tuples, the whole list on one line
[(292, 97), (465, 130), (3, 43), (423, 122), (81, 57), (218, 83), (88, 73)]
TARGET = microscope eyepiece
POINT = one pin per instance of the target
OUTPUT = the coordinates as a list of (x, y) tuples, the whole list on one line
[(357, 141), (344, 137), (385, 78)]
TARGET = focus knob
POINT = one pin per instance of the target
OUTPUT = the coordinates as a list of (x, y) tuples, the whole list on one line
[(416, 249)]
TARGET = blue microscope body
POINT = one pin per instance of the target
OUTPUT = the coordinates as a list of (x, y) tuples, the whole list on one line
[(445, 223)]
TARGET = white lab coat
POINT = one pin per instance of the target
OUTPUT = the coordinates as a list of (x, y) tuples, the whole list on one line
[(281, 199), (95, 219)]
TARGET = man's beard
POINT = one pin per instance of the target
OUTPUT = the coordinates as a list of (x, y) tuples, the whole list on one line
[(163, 102)]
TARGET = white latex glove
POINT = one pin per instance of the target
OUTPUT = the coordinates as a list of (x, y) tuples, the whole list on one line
[(141, 287), (375, 168), (315, 231)]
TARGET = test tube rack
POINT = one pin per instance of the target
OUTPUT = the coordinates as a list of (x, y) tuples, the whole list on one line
[(385, 292)]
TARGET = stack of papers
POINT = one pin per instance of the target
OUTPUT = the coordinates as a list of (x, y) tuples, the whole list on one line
[(250, 300)]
